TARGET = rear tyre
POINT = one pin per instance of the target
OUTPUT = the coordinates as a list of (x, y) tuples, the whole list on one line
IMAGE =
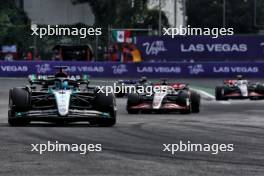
[(195, 102), (133, 100), (183, 97), (105, 103), (18, 101), (119, 95), (185, 111), (219, 93), (132, 111)]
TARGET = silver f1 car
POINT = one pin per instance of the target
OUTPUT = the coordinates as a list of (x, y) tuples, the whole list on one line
[(168, 97), (60, 99), (239, 89)]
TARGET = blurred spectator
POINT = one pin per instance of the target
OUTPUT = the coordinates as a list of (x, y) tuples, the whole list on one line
[(38, 57), (131, 53), (9, 57), (126, 55), (113, 53), (29, 56), (56, 55), (136, 56)]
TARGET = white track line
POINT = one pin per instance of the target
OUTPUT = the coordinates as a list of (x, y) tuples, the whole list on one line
[(208, 96), (204, 94), (224, 102)]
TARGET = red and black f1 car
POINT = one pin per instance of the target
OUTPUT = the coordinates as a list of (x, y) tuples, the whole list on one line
[(165, 97)]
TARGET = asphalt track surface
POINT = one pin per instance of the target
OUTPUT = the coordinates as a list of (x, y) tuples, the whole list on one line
[(134, 145)]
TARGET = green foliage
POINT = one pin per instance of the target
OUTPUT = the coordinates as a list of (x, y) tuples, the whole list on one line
[(14, 25), (239, 14), (259, 13), (121, 14)]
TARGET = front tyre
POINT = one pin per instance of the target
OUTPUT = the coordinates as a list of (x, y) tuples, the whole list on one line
[(107, 104), (19, 96)]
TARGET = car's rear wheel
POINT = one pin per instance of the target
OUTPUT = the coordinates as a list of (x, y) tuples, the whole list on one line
[(18, 102), (195, 102), (219, 93), (132, 111), (182, 99), (105, 103), (119, 95), (133, 100)]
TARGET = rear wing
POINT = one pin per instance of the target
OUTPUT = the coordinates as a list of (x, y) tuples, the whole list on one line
[(179, 86), (176, 86), (230, 82)]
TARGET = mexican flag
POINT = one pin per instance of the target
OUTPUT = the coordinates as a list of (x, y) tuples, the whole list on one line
[(121, 36)]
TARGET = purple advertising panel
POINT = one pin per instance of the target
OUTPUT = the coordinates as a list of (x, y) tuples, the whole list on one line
[(132, 70), (24, 68), (201, 48)]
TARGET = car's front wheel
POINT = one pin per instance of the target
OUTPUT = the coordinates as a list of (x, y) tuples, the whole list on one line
[(107, 104), (18, 102)]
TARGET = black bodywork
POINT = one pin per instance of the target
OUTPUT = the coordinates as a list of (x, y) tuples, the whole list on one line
[(37, 102)]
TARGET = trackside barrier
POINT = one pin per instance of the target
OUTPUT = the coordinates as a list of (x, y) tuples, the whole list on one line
[(155, 70), (201, 48)]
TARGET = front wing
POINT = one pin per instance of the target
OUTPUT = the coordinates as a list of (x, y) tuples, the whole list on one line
[(164, 106), (52, 115), (238, 95)]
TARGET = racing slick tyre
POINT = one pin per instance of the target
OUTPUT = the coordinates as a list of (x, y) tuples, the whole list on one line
[(218, 93), (195, 102), (132, 100), (260, 89), (18, 102), (20, 99), (119, 95), (105, 103), (182, 101)]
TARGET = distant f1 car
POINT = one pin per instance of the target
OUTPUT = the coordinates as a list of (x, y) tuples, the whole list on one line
[(239, 89), (60, 98), (171, 97), (130, 82)]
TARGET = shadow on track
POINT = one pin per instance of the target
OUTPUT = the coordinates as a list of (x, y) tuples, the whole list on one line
[(70, 125)]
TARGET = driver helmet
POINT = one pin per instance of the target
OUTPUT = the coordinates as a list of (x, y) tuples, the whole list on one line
[(61, 74), (164, 82), (240, 77), (143, 80), (64, 85)]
